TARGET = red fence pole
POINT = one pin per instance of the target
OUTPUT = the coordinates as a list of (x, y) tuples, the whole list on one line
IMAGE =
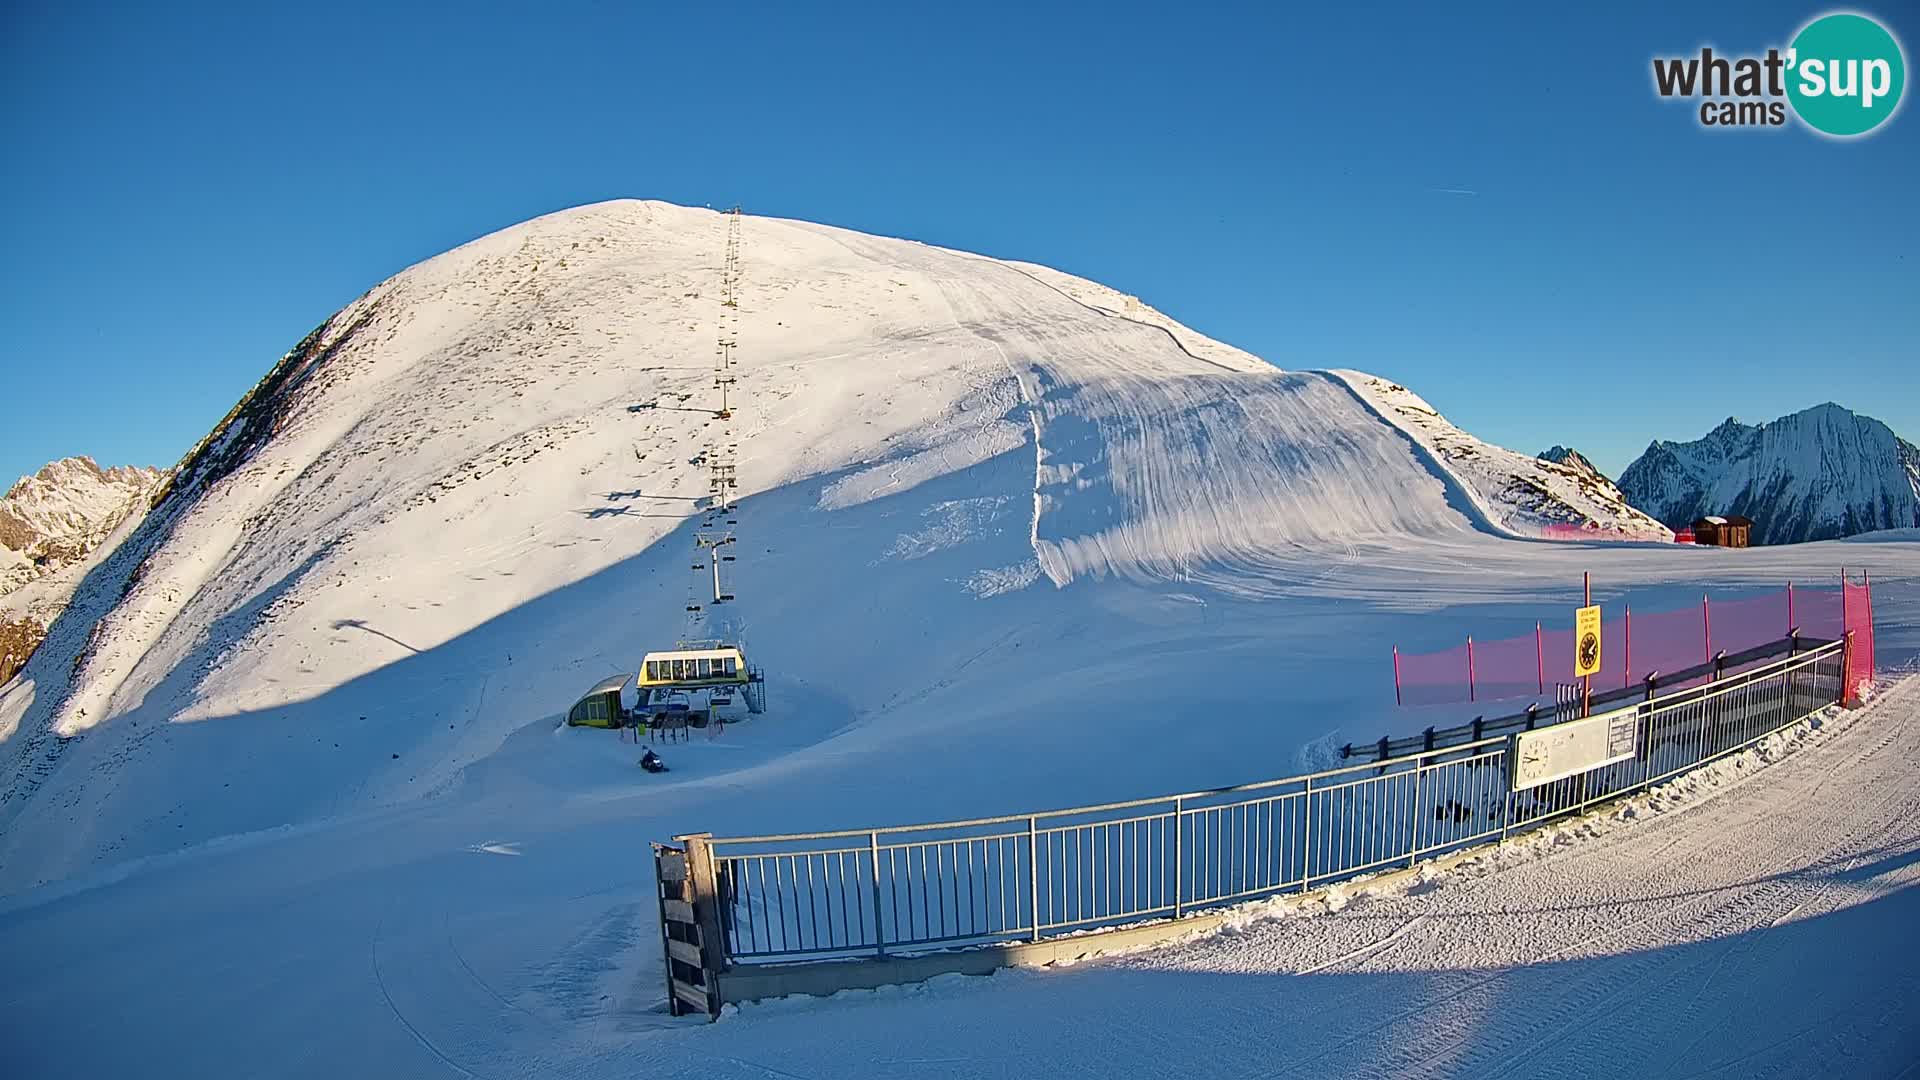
[(1470, 691), (1586, 681), (1706, 626), (1866, 580), (1540, 656), (1396, 675), (1846, 622), (1626, 669)]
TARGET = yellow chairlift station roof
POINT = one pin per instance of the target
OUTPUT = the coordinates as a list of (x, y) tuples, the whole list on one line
[(717, 666)]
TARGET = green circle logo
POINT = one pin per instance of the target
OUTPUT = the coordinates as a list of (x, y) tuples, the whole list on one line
[(1845, 74)]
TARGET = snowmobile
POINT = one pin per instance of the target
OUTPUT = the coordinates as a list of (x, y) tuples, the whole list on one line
[(651, 762)]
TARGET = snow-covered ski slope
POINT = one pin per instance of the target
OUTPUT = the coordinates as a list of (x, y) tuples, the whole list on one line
[(1008, 542), (467, 496)]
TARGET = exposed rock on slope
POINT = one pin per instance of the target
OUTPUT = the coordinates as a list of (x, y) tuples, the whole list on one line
[(50, 523), (1574, 459), (1515, 493), (56, 517)]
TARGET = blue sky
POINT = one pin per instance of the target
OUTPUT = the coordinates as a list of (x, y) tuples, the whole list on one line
[(189, 190)]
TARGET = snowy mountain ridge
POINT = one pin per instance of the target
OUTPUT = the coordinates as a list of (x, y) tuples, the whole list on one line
[(1817, 474), (1566, 455), (58, 515), (51, 525), (1521, 495), (472, 491)]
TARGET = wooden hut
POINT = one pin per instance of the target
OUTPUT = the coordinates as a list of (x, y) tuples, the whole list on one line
[(1731, 530)]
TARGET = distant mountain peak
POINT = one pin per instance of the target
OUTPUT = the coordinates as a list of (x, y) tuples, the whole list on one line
[(1568, 456), (50, 524), (1823, 472), (60, 514)]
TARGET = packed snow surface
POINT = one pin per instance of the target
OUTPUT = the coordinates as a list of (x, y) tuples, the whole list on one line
[(1009, 541)]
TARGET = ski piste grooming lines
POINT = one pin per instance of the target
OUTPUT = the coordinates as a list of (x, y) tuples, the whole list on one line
[(1843, 76)]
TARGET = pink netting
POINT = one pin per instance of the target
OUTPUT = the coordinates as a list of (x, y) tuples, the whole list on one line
[(1562, 530), (1858, 618), (1507, 668), (1434, 678), (1667, 641), (1635, 645), (1742, 624), (1819, 612)]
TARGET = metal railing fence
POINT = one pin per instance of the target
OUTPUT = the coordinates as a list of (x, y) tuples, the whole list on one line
[(1025, 877), (1540, 712)]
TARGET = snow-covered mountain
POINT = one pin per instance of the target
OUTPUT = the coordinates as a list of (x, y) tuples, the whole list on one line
[(471, 493), (1521, 495), (1566, 455), (1007, 540), (57, 516), (50, 523), (1820, 473)]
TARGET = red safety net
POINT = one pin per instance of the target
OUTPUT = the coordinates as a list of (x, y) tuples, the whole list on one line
[(1434, 678), (1633, 645), (1562, 530), (1857, 600)]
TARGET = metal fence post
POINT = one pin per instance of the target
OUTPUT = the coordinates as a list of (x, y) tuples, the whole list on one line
[(1413, 807), (1846, 665), (873, 856), (1033, 872), (1506, 813), (1306, 837), (1179, 860)]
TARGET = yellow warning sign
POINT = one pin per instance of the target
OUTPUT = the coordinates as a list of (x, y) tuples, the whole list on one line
[(1586, 641)]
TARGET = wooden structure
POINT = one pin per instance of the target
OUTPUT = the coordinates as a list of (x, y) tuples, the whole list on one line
[(690, 925), (1730, 531)]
